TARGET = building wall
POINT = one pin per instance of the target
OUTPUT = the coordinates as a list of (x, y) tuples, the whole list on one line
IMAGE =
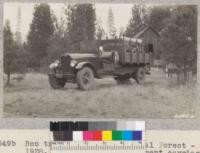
[(150, 37)]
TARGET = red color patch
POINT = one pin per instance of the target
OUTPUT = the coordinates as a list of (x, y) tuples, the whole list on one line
[(97, 136)]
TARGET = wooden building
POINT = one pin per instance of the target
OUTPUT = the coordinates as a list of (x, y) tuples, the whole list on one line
[(149, 36)]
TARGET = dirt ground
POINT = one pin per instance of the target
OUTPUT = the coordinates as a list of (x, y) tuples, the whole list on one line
[(159, 97)]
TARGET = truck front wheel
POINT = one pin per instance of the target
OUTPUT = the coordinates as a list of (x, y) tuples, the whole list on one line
[(56, 83), (85, 78)]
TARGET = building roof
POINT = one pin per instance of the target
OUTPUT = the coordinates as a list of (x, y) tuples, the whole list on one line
[(141, 29)]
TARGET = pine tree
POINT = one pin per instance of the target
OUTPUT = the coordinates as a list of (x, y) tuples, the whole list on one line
[(41, 29), (157, 17), (18, 32), (9, 52), (111, 24), (15, 54), (139, 17), (179, 38), (121, 32), (59, 42), (81, 23), (100, 32)]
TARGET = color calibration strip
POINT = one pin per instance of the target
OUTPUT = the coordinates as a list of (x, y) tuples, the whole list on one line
[(98, 131), (97, 135)]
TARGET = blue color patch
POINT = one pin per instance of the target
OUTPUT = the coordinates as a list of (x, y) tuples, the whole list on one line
[(127, 135), (137, 135)]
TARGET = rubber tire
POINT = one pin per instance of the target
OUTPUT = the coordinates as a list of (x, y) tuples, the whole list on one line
[(56, 83), (140, 75), (80, 81)]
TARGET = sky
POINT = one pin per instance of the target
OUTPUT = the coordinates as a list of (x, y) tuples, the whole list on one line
[(122, 14)]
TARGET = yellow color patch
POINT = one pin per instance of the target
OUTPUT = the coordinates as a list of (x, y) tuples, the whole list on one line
[(106, 135)]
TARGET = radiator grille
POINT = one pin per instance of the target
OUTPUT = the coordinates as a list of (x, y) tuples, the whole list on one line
[(65, 64)]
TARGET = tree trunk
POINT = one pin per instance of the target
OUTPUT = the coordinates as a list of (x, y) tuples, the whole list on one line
[(185, 71), (8, 79), (178, 78), (185, 76), (178, 75)]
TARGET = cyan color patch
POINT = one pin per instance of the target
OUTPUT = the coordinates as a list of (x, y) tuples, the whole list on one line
[(127, 135), (137, 135)]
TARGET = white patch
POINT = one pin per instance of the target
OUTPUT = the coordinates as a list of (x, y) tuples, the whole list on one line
[(77, 135)]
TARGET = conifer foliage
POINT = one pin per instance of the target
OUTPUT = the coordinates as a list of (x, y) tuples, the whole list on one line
[(41, 29)]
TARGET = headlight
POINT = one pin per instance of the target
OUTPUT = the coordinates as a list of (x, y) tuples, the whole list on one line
[(73, 63), (54, 65), (101, 48), (57, 62)]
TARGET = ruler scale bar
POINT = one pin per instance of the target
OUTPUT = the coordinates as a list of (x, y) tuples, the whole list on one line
[(99, 146)]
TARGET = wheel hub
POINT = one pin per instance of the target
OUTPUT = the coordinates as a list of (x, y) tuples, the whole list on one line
[(86, 78)]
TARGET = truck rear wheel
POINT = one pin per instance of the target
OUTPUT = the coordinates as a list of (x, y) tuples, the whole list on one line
[(140, 75), (85, 78), (56, 83)]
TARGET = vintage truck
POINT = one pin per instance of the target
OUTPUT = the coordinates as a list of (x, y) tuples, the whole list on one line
[(121, 58)]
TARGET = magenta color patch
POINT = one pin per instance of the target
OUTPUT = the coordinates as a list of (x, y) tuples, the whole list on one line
[(87, 135)]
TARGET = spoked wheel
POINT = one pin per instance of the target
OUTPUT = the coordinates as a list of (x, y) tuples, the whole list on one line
[(56, 83), (140, 76), (85, 78)]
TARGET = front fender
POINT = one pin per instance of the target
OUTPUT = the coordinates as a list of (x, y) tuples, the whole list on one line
[(82, 64), (88, 64)]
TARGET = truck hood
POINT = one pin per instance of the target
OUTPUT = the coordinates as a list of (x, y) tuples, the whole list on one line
[(80, 56)]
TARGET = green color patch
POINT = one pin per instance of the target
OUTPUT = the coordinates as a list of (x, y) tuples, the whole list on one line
[(116, 135)]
